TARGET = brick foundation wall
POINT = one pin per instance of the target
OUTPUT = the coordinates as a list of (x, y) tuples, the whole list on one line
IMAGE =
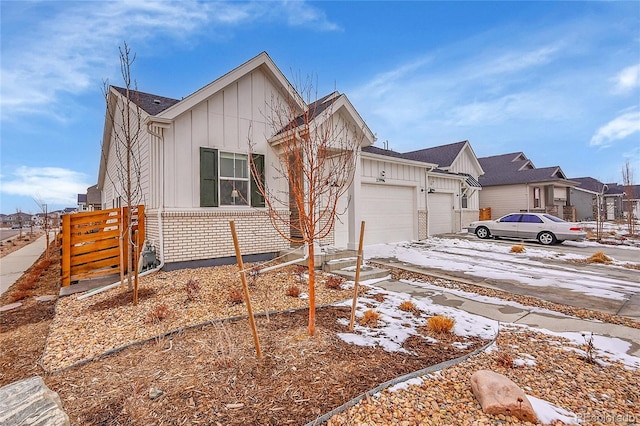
[(198, 235)]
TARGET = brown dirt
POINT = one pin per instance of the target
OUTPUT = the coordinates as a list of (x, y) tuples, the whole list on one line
[(207, 374)]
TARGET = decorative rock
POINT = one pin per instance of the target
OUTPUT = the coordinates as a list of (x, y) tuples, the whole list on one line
[(10, 306), (31, 402), (500, 396), (155, 393)]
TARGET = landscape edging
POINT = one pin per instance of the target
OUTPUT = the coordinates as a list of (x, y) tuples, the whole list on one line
[(162, 335), (431, 369)]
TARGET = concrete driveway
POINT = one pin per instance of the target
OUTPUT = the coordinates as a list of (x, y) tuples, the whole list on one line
[(543, 272)]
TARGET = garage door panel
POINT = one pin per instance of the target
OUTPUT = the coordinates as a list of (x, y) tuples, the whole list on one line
[(440, 213), (389, 213)]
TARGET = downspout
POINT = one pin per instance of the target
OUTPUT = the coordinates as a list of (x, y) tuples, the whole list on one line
[(426, 199), (528, 198), (460, 205), (160, 227)]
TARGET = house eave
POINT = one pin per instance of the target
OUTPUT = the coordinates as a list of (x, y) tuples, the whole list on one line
[(397, 160)]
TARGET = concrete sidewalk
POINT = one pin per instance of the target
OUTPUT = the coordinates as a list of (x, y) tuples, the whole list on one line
[(510, 314), (13, 265)]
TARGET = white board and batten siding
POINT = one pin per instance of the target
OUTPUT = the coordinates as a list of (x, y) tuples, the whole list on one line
[(227, 121)]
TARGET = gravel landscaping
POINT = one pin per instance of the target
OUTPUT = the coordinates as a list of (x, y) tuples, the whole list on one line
[(205, 371)]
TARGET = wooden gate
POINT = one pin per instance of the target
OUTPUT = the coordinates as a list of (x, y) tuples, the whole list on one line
[(91, 243)]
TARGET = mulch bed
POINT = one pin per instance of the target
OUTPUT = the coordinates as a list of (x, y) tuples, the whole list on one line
[(211, 375), (207, 374)]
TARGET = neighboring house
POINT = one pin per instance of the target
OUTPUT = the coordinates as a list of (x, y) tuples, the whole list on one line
[(593, 196), (512, 183), (630, 195), (90, 201), (82, 203), (94, 198), (195, 174), (18, 219)]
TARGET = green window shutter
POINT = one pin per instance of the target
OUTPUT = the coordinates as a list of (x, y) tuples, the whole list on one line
[(208, 177), (257, 200)]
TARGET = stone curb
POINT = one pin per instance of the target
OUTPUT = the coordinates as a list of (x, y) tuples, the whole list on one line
[(431, 369)]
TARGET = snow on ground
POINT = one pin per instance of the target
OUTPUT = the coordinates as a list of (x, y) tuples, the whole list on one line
[(395, 326), (491, 260)]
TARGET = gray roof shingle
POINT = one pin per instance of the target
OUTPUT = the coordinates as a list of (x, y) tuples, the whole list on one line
[(442, 155), (151, 104), (590, 184), (516, 168)]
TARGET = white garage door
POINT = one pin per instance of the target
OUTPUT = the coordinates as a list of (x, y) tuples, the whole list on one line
[(389, 212), (440, 213)]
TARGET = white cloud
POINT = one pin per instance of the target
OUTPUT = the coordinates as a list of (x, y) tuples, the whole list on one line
[(511, 62), (53, 185), (72, 49), (627, 79), (620, 127)]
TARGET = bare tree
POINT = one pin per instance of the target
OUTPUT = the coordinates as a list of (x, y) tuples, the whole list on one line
[(627, 187), (20, 221), (45, 224), (317, 155), (127, 132)]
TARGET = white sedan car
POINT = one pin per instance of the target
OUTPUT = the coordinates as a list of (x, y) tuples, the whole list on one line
[(545, 228)]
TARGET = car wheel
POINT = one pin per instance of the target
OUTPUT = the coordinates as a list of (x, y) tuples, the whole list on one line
[(546, 238), (483, 232)]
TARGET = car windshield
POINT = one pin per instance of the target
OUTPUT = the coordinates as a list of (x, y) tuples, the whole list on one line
[(553, 218)]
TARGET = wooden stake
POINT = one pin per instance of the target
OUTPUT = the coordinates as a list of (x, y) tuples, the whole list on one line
[(355, 286), (121, 248), (245, 289), (136, 257)]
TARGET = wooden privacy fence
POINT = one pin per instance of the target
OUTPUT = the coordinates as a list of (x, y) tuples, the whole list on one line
[(485, 213), (91, 243)]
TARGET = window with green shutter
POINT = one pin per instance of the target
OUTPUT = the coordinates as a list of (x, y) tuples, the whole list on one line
[(226, 179), (257, 200), (208, 177)]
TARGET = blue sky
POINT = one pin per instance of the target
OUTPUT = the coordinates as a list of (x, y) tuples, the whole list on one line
[(559, 81)]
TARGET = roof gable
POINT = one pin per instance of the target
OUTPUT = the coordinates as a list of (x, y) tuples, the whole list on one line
[(319, 111), (263, 61)]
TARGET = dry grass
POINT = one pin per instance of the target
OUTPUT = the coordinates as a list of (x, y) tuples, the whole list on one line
[(235, 296), (370, 318), (334, 283), (599, 257), (192, 288), (409, 306), (293, 291), (504, 359), (159, 314), (519, 248), (440, 324)]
